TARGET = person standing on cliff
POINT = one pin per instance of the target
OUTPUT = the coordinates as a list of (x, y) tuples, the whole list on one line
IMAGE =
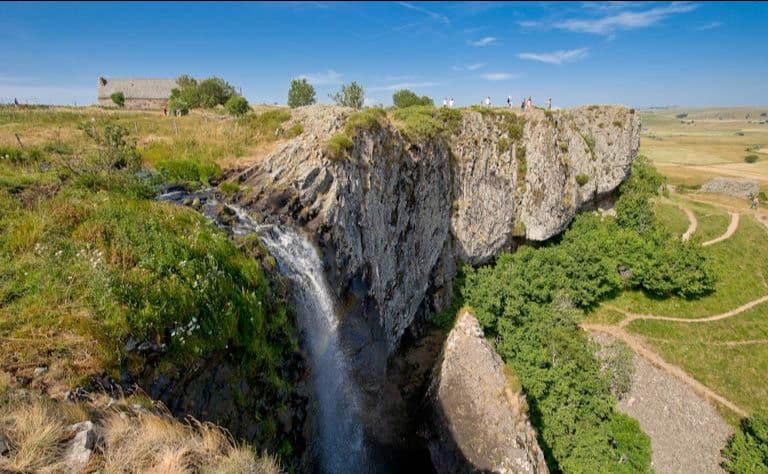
[(488, 101), (549, 103), (450, 103), (445, 102)]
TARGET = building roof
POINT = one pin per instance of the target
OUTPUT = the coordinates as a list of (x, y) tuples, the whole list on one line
[(134, 88)]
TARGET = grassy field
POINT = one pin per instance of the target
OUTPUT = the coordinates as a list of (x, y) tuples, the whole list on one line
[(714, 144)]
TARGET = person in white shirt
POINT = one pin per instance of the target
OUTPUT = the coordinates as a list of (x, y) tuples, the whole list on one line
[(450, 103), (445, 102)]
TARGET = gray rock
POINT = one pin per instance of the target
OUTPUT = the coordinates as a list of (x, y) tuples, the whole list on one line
[(4, 449), (741, 188), (395, 216), (477, 419), (80, 448), (39, 371)]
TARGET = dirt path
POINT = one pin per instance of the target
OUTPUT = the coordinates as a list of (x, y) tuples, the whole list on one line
[(728, 232), (687, 434), (694, 223), (656, 360), (717, 317)]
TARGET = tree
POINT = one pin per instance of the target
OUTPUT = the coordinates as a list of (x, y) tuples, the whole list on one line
[(207, 93), (350, 95), (406, 98), (300, 93), (178, 106), (237, 105), (118, 98), (747, 450)]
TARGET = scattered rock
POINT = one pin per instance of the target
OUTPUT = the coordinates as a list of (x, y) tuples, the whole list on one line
[(477, 418), (741, 188), (77, 395), (40, 371)]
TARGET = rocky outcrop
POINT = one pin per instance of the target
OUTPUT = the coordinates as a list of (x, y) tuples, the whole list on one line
[(740, 188), (394, 215), (476, 416)]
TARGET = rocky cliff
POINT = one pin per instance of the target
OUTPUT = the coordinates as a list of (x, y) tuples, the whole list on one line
[(394, 211), (477, 417)]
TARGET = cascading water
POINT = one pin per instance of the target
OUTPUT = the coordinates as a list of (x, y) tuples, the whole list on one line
[(340, 445)]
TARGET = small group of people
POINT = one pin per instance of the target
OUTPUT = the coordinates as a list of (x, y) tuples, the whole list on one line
[(526, 104), (754, 201), (448, 102)]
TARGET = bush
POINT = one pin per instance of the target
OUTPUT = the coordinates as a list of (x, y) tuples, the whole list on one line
[(617, 359), (338, 146), (424, 121), (582, 179), (118, 98), (590, 141), (350, 95), (113, 148), (229, 188), (237, 105), (300, 93), (178, 106), (751, 158), (681, 116), (747, 450), (405, 98)]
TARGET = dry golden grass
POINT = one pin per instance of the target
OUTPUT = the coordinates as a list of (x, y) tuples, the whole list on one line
[(35, 433), (159, 444), (714, 145)]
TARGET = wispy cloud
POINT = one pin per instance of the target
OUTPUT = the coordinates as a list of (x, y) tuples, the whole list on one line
[(625, 20), (709, 26), (556, 57), (530, 24), (434, 15), (328, 77), (403, 85), (499, 76), (487, 41), (469, 67)]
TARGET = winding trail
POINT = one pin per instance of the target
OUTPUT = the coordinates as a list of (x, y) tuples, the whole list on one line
[(693, 222), (728, 314), (728, 232), (640, 349)]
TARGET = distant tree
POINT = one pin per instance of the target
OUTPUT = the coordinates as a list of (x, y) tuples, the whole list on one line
[(118, 98), (237, 106), (747, 449), (207, 93), (178, 106), (350, 95), (406, 98), (300, 93)]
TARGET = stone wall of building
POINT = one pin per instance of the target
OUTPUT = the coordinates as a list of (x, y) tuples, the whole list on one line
[(136, 104)]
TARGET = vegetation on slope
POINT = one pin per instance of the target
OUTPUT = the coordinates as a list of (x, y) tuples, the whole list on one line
[(747, 450), (528, 304)]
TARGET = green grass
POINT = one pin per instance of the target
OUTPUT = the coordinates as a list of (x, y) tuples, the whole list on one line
[(427, 122), (713, 222), (741, 266), (338, 146), (737, 373), (671, 217)]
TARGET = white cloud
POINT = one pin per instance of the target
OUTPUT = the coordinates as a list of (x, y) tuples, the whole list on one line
[(469, 67), (328, 77), (529, 24), (499, 76), (487, 41), (710, 26), (431, 14), (403, 85), (556, 57), (625, 20)]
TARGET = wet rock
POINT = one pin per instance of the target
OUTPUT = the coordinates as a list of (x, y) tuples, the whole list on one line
[(476, 416)]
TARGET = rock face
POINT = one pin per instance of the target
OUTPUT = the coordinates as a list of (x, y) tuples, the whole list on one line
[(396, 215), (740, 188), (476, 416)]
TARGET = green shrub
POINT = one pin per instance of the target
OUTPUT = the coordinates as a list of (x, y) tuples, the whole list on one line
[(747, 450), (681, 116), (751, 158), (424, 121), (522, 164), (617, 359), (503, 145), (518, 230), (618, 123), (350, 95), (118, 98), (338, 146), (590, 142), (762, 197), (114, 149), (563, 147), (229, 188), (405, 98), (178, 106), (194, 169), (295, 130), (365, 120), (268, 124), (300, 93), (237, 105), (207, 93), (582, 179)]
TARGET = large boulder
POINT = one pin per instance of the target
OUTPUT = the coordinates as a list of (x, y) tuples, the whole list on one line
[(476, 415)]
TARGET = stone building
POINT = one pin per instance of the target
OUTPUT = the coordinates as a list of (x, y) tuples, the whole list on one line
[(139, 93)]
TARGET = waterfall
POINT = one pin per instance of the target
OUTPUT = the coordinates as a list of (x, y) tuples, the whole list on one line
[(340, 438)]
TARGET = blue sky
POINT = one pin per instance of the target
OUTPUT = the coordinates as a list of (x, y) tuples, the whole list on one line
[(639, 54)]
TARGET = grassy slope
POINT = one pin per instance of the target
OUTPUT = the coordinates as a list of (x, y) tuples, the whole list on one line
[(741, 263)]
